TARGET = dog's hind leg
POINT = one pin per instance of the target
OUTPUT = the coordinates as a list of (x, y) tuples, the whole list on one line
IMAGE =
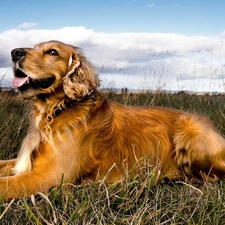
[(199, 148)]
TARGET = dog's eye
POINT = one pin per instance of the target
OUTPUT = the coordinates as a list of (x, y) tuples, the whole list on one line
[(52, 52)]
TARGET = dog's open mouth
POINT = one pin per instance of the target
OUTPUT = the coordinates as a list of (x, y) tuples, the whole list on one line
[(24, 82)]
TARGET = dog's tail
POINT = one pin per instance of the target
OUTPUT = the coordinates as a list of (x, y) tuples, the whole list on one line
[(199, 149)]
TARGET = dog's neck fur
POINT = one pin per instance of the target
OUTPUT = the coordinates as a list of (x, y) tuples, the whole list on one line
[(45, 109), (42, 114)]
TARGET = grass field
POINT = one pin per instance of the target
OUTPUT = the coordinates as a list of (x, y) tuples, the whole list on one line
[(137, 199)]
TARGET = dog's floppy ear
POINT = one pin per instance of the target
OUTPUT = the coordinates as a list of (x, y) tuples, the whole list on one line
[(81, 79)]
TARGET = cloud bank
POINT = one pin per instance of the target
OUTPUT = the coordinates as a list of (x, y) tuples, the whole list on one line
[(136, 60)]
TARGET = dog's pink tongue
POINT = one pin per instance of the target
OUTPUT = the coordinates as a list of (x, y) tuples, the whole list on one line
[(19, 81)]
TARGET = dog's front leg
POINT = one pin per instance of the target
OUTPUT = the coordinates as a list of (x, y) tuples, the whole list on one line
[(28, 183), (48, 170)]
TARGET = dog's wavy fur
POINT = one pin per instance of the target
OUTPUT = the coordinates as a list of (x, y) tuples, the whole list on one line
[(76, 133)]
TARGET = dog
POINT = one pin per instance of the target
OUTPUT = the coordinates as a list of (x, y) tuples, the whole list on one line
[(76, 133)]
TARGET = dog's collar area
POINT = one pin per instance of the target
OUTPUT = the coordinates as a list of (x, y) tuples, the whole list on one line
[(68, 103), (59, 109)]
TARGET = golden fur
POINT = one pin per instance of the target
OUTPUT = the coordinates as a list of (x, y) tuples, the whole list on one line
[(76, 133)]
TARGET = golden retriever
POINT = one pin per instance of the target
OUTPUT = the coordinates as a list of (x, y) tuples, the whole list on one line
[(76, 133)]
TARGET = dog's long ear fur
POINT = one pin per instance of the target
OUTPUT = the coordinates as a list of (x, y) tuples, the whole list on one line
[(81, 79)]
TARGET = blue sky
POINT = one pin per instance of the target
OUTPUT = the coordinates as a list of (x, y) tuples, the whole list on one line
[(149, 44), (176, 16)]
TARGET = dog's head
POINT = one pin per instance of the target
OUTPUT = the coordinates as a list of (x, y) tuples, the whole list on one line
[(51, 66)]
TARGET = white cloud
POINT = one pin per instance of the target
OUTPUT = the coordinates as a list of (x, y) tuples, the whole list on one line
[(27, 25), (148, 58)]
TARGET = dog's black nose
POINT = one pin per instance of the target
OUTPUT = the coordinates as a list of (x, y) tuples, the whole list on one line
[(17, 54)]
